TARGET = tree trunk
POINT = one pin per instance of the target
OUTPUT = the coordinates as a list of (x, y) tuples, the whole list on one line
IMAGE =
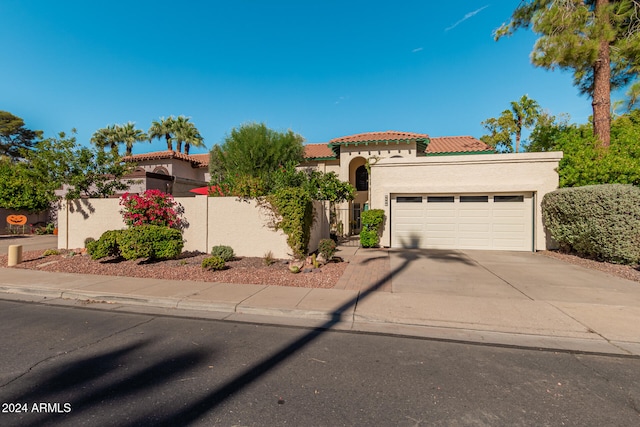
[(169, 142), (518, 133), (179, 146), (602, 85), (186, 148)]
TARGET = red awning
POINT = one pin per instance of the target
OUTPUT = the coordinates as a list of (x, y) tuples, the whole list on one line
[(205, 191)]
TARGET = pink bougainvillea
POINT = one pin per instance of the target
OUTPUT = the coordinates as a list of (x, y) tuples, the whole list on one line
[(151, 207)]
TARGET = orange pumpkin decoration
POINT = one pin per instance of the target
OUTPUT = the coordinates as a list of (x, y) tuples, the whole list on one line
[(17, 219)]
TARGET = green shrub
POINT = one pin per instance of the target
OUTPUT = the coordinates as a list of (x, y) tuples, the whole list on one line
[(371, 222), (50, 252), (213, 263), (106, 246), (369, 238), (88, 240), (599, 221), (224, 252), (327, 248), (294, 208), (151, 242)]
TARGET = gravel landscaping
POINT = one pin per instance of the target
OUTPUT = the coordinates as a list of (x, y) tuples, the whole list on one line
[(243, 270), (187, 267), (629, 272)]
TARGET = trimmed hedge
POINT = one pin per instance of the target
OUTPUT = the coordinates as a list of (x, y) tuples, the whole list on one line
[(598, 221), (145, 241), (151, 242), (371, 222), (106, 246)]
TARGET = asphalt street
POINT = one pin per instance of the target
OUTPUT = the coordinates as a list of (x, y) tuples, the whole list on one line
[(74, 366)]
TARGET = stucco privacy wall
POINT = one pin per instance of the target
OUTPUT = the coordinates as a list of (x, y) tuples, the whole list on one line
[(238, 223), (466, 174), (244, 226)]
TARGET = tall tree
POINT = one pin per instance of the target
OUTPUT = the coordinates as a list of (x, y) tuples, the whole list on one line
[(523, 114), (254, 150), (191, 137), (547, 130), (163, 128), (633, 96), (14, 136), (31, 184), (185, 131), (129, 135), (106, 137), (598, 39)]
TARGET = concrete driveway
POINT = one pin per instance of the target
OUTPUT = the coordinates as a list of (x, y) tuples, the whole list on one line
[(514, 275), (468, 280)]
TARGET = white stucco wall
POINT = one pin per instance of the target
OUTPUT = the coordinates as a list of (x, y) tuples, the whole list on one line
[(244, 226), (466, 174), (238, 223)]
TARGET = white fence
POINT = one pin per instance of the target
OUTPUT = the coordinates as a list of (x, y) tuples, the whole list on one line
[(238, 223)]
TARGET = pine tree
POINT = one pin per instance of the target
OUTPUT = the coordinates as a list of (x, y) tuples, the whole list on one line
[(598, 39)]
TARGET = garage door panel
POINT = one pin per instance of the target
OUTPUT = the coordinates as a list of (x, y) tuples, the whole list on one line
[(410, 228), (468, 213), (508, 228), (509, 213), (475, 223), (440, 227), (440, 242), (482, 227), (410, 220), (440, 213)]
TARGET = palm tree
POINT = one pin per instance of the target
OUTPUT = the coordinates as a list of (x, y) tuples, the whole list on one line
[(188, 134), (633, 96), (163, 128), (525, 113), (129, 135), (180, 124), (106, 137)]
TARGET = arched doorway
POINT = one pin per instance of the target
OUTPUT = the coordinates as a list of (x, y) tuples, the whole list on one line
[(359, 178)]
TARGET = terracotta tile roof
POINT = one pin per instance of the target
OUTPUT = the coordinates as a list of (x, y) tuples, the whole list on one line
[(203, 159), (456, 144), (389, 135), (318, 151), (196, 160)]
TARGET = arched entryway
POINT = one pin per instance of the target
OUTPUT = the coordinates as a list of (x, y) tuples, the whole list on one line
[(359, 178)]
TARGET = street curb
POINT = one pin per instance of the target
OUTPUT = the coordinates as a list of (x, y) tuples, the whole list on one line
[(346, 321)]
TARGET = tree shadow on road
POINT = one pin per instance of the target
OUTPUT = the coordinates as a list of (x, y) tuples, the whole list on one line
[(197, 409), (97, 381)]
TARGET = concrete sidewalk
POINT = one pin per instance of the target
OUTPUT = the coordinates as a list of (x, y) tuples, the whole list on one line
[(490, 307)]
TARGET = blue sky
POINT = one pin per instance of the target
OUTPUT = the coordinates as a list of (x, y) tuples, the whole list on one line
[(323, 69)]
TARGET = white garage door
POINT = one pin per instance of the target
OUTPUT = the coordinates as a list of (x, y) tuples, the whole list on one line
[(462, 221)]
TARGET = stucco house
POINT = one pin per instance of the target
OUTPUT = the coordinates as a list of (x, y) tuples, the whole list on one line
[(441, 193), (169, 171)]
